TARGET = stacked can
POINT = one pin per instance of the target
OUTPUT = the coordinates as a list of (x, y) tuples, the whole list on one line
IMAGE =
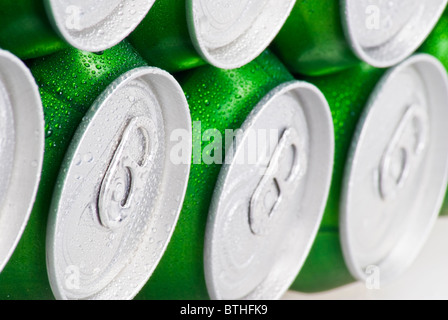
[(390, 172), (178, 35), (250, 215), (110, 195), (322, 37), (35, 28), (21, 150), (118, 146)]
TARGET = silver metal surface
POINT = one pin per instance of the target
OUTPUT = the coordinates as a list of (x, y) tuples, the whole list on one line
[(270, 195), (21, 150), (385, 32), (231, 33), (119, 193), (96, 25), (7, 139), (396, 176)]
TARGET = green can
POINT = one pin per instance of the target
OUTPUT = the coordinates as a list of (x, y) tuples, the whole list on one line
[(436, 44), (322, 37), (107, 125), (35, 28), (221, 249), (26, 30), (389, 176), (179, 35)]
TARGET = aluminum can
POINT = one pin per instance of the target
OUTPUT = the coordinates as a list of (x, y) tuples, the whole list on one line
[(437, 45), (180, 35), (250, 216), (110, 195), (322, 37), (390, 173), (21, 150), (35, 28)]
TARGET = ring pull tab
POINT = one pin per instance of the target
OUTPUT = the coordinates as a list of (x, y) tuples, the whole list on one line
[(276, 182), (403, 152), (124, 175)]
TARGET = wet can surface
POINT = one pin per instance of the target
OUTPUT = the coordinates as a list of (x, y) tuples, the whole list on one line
[(106, 169), (180, 35), (21, 150), (32, 29), (390, 172), (229, 109), (322, 37), (96, 25)]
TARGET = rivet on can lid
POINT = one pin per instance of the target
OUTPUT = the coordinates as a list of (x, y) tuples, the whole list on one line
[(396, 178), (119, 193), (385, 32), (96, 25), (21, 150), (115, 201), (270, 195), (404, 150), (231, 33), (272, 182)]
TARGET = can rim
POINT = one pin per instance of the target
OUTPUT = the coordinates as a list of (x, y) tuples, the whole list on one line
[(172, 121), (322, 136), (66, 22), (237, 53), (29, 152), (405, 252), (372, 56)]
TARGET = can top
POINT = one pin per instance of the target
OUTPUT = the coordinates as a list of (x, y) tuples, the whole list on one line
[(96, 25), (270, 195), (21, 150), (396, 180), (120, 191), (229, 34), (384, 33)]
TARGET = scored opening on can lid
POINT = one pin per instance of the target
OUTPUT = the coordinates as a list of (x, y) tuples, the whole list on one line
[(229, 34), (270, 195), (96, 25), (385, 32), (396, 178), (120, 189), (22, 142)]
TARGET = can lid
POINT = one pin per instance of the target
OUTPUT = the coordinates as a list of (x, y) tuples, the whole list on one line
[(120, 189), (231, 33), (397, 175), (383, 33), (270, 195), (96, 25), (22, 142)]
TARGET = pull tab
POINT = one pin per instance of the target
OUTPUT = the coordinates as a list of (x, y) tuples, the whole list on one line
[(277, 182), (403, 152), (124, 175)]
